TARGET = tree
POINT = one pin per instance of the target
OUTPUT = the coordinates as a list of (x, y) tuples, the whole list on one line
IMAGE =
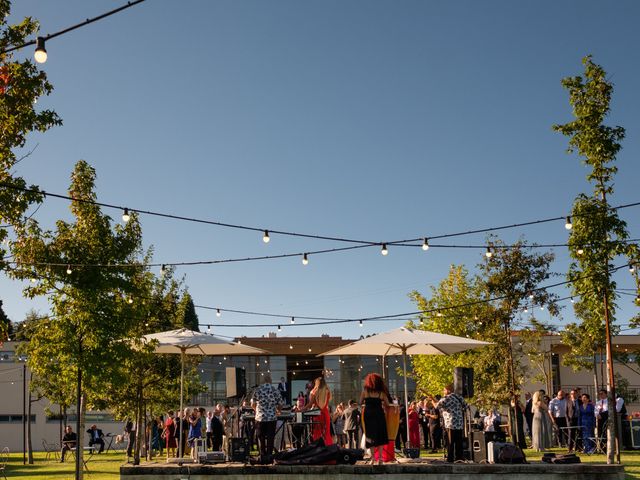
[(6, 326), (92, 306), (533, 346), (21, 85), (598, 235), (189, 317)]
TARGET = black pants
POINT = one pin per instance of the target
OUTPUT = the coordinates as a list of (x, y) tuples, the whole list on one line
[(131, 443), (266, 433), (425, 434), (352, 438), (601, 422), (97, 441), (575, 434), (216, 441), (435, 436), (561, 423), (454, 448)]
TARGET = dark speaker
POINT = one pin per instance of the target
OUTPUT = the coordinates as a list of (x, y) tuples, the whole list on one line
[(478, 447), (239, 450), (236, 382), (463, 381)]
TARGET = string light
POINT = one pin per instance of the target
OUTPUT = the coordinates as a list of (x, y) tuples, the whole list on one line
[(384, 250), (279, 328), (580, 251), (218, 312), (208, 328), (265, 236), (68, 269), (632, 268), (40, 54), (130, 300), (305, 259), (488, 253), (361, 324), (425, 244), (290, 347), (163, 270), (125, 215), (567, 224), (293, 320), (572, 300)]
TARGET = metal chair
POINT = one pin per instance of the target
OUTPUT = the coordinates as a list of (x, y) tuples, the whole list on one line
[(4, 459), (50, 449)]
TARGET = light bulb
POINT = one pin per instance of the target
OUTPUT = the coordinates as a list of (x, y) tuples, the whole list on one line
[(541, 307), (489, 253), (265, 237), (125, 215), (425, 244), (218, 312), (572, 300), (290, 347), (33, 280), (163, 270), (309, 349), (279, 328), (567, 224), (130, 300), (208, 328), (384, 250), (526, 310), (293, 320), (41, 53), (361, 323), (305, 259), (68, 269), (580, 251), (632, 268)]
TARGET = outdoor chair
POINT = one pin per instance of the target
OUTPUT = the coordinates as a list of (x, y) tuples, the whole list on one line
[(4, 459), (50, 449)]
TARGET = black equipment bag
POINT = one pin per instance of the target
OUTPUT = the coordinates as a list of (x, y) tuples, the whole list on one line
[(316, 453), (565, 459), (512, 454)]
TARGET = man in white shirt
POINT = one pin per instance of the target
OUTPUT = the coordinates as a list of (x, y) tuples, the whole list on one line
[(558, 411), (601, 411)]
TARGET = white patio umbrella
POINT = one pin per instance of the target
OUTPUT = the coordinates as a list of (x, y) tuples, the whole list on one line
[(408, 341), (188, 342)]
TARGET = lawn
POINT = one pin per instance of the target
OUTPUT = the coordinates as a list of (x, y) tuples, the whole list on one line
[(106, 466)]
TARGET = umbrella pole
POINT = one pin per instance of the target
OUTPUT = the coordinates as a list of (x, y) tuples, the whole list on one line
[(181, 407), (406, 393)]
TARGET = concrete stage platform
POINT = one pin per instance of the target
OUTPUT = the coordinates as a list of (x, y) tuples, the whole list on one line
[(400, 471)]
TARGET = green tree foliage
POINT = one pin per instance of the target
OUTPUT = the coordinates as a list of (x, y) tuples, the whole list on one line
[(459, 306), (6, 326), (189, 317), (21, 84), (599, 236), (91, 308)]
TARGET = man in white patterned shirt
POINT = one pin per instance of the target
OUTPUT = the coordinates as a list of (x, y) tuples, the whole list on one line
[(266, 400), (452, 407)]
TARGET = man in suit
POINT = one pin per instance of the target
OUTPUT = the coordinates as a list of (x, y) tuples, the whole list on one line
[(284, 391), (528, 412), (96, 437), (573, 418)]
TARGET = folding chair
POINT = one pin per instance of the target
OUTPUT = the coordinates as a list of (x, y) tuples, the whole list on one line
[(50, 449), (4, 459)]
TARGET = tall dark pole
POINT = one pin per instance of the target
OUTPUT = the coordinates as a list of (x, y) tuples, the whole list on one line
[(78, 402), (612, 432), (24, 413)]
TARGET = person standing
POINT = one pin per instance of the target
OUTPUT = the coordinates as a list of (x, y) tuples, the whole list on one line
[(338, 423), (414, 426), (528, 412), (452, 407), (195, 432), (375, 398), (558, 411), (541, 427), (424, 422), (573, 418), (284, 391), (602, 414), (319, 398), (169, 434), (352, 423), (266, 401), (435, 427), (209, 431), (217, 429), (587, 423)]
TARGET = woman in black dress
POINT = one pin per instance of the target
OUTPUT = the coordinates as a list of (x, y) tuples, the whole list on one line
[(375, 398)]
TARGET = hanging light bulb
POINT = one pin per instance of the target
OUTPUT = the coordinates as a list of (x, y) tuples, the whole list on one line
[(309, 349), (68, 269), (279, 328), (531, 296), (421, 321), (580, 251), (384, 250), (361, 323), (572, 300), (218, 312), (567, 224), (305, 259), (293, 320), (290, 347), (125, 215), (541, 307), (130, 300), (526, 309), (632, 268), (425, 244), (265, 237), (488, 253), (163, 270), (208, 328), (33, 280), (41, 53)]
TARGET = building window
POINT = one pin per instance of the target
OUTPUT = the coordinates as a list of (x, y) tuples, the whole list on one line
[(15, 419)]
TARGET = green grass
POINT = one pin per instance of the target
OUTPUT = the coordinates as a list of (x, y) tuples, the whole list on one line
[(107, 466)]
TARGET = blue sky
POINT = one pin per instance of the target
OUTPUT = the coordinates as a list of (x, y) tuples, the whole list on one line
[(366, 119)]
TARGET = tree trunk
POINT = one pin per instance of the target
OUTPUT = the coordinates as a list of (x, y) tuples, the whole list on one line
[(139, 429), (596, 385), (29, 443)]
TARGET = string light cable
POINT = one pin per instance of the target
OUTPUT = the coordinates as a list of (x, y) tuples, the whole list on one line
[(41, 53), (422, 240)]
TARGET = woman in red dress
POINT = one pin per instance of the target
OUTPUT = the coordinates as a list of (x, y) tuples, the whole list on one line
[(319, 398), (414, 425), (169, 434)]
